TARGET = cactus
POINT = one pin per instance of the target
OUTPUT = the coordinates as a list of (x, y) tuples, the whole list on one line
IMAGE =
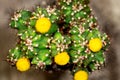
[(64, 35)]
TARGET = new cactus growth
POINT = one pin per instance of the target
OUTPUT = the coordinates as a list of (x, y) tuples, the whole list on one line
[(63, 35)]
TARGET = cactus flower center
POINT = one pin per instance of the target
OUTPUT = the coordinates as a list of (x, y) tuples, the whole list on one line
[(62, 58), (23, 64), (43, 25), (95, 44), (81, 75)]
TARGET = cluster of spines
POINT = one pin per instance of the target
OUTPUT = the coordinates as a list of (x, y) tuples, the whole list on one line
[(74, 10), (51, 13)]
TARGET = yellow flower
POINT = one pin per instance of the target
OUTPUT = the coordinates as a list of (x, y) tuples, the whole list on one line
[(62, 58), (23, 64), (81, 75), (95, 44), (43, 25)]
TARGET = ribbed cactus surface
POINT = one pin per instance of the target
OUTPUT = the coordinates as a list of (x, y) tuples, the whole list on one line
[(58, 37)]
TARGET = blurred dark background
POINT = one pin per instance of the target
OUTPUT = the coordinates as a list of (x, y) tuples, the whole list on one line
[(108, 14)]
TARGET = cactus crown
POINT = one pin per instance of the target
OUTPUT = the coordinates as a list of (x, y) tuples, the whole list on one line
[(67, 27)]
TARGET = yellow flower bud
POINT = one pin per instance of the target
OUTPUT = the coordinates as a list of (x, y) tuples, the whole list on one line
[(23, 64), (43, 25), (62, 58), (95, 44), (81, 75)]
